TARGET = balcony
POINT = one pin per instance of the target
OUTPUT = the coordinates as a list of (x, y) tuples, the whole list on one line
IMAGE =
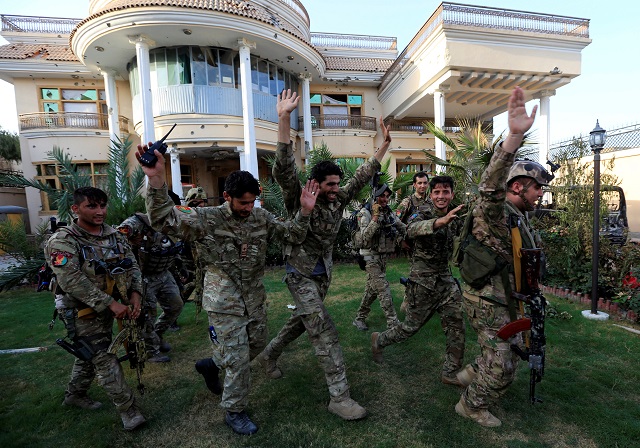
[(341, 122), (77, 120), (40, 25), (490, 19), (334, 40)]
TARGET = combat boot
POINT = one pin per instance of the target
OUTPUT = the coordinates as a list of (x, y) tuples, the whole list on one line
[(164, 346), (81, 401), (132, 418), (240, 423), (376, 350), (346, 409), (467, 375), (209, 370), (270, 367), (360, 325), (452, 380), (157, 357), (481, 416)]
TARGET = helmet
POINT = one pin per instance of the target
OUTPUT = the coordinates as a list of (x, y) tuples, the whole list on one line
[(134, 225), (529, 168), (379, 191), (195, 193)]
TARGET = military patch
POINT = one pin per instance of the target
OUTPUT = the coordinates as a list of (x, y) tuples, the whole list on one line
[(125, 230), (183, 208), (60, 258)]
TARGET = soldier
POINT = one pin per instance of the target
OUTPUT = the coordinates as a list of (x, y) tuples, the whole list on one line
[(409, 207), (507, 190), (233, 239), (309, 263), (96, 269), (380, 229), (156, 253), (431, 286)]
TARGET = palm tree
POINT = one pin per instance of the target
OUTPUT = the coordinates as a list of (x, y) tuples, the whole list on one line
[(471, 150)]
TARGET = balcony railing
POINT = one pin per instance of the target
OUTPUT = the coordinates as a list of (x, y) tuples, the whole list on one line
[(48, 120), (44, 25), (492, 18), (333, 40), (298, 7), (340, 122)]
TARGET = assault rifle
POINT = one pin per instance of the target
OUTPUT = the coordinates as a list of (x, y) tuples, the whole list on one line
[(131, 339), (534, 353)]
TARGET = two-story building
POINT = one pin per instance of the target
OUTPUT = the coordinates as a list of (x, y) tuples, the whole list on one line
[(137, 67)]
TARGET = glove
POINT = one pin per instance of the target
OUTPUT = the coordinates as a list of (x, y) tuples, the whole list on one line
[(375, 210)]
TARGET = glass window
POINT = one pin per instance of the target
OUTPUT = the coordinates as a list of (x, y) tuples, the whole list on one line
[(173, 69), (263, 70), (184, 66), (255, 78), (280, 82), (213, 71), (198, 66), (185, 174), (354, 99), (226, 66), (51, 107), (162, 76), (50, 94), (79, 95), (316, 98)]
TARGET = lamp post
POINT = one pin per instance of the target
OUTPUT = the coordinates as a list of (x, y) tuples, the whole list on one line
[(596, 141)]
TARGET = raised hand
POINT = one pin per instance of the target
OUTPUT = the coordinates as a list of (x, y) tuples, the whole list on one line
[(519, 121), (381, 151), (287, 102), (308, 196), (446, 219), (156, 173)]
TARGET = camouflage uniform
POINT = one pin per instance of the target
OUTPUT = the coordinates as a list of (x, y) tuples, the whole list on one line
[(487, 308), (232, 252), (71, 252), (432, 288), (156, 255), (379, 239), (309, 266), (408, 207)]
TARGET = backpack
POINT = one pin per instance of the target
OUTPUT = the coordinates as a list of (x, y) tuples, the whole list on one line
[(355, 236), (476, 262)]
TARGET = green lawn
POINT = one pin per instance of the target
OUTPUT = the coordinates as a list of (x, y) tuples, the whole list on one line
[(591, 388)]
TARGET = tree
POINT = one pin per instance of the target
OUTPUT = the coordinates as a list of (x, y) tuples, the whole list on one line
[(123, 183), (471, 150), (10, 146)]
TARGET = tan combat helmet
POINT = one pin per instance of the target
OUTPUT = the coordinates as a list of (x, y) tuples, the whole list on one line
[(195, 194), (529, 168)]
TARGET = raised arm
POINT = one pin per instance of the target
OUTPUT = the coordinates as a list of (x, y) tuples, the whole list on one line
[(284, 169), (519, 121)]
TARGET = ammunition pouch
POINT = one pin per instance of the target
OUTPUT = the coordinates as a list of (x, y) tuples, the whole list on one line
[(479, 263), (361, 261), (79, 348)]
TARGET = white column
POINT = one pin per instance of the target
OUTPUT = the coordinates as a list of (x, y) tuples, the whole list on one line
[(306, 115), (544, 128), (438, 117), (112, 104), (249, 154), (176, 178), (142, 44)]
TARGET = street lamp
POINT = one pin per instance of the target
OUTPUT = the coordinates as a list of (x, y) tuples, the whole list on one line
[(597, 138)]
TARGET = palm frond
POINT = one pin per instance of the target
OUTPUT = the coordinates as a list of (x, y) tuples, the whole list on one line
[(14, 275)]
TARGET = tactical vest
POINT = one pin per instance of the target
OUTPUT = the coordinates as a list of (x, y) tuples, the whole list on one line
[(157, 253)]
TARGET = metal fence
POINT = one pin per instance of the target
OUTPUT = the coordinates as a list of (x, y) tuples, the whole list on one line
[(50, 120), (45, 25), (619, 139), (340, 122), (333, 40)]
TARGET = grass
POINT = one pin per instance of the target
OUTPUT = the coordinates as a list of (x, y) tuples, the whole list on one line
[(591, 386)]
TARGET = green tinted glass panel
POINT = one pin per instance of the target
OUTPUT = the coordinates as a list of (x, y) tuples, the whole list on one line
[(51, 107), (316, 98), (50, 94), (355, 99)]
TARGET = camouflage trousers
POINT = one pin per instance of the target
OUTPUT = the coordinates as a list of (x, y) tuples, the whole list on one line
[(377, 286), (104, 366), (443, 296), (497, 363), (312, 316), (160, 289), (239, 340)]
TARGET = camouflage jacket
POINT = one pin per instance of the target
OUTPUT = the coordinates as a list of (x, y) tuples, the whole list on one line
[(380, 237), (76, 258), (409, 206), (326, 216), (492, 213), (232, 251), (432, 248)]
